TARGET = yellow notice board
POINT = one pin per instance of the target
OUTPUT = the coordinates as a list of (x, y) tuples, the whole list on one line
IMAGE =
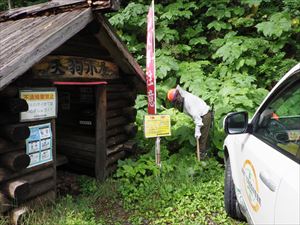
[(157, 126)]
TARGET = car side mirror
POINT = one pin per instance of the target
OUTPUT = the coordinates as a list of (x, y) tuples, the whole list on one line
[(236, 123)]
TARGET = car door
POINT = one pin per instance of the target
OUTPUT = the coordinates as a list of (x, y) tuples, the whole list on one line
[(268, 153)]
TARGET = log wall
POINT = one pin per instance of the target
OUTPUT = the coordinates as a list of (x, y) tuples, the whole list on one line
[(121, 128), (18, 183)]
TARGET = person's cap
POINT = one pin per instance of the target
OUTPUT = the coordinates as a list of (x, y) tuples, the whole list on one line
[(171, 94)]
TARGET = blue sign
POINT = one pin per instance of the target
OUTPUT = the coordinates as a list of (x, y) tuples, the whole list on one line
[(39, 144)]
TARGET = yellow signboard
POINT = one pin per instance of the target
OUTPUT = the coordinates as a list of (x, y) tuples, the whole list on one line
[(157, 126)]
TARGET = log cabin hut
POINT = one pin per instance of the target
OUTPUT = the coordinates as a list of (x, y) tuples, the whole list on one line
[(67, 92)]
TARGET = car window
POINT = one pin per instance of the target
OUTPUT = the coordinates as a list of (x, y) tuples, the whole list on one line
[(279, 122)]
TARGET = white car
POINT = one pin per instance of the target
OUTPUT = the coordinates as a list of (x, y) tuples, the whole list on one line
[(262, 156)]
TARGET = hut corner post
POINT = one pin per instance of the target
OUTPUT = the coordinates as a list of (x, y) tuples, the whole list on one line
[(54, 154), (101, 158)]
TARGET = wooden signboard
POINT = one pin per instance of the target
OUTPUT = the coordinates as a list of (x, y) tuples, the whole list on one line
[(70, 67), (157, 126)]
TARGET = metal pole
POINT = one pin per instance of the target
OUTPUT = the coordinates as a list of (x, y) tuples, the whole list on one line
[(157, 152), (157, 142)]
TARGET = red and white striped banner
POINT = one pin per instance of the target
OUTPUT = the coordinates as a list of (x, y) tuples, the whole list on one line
[(150, 64)]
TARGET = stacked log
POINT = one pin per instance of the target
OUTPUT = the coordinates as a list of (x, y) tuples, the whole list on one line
[(5, 203), (120, 128), (17, 216), (18, 183), (15, 161), (13, 157)]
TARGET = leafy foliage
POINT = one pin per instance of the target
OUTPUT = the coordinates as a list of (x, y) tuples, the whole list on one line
[(230, 53), (278, 23), (184, 191)]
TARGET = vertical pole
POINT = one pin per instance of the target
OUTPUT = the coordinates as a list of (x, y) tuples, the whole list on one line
[(157, 152), (9, 4), (100, 164), (157, 142), (54, 154), (198, 149)]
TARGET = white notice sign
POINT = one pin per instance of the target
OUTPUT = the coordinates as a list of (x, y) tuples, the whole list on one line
[(42, 103)]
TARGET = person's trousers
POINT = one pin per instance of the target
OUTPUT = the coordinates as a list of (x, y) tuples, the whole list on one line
[(206, 120)]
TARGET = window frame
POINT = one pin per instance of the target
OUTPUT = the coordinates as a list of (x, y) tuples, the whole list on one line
[(293, 80)]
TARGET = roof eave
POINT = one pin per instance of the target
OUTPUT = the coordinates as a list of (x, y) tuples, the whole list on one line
[(43, 47)]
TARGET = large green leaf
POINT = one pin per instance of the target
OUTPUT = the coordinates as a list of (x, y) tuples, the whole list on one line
[(278, 23)]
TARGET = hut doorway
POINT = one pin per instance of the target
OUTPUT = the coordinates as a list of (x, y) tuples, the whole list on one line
[(81, 126)]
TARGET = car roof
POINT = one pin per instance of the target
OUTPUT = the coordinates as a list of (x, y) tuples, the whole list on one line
[(289, 74)]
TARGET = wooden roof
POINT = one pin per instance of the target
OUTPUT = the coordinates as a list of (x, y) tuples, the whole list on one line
[(56, 6), (31, 33)]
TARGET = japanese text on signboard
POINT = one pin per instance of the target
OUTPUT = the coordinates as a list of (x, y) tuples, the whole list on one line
[(75, 67), (157, 126), (150, 62), (42, 104), (39, 144)]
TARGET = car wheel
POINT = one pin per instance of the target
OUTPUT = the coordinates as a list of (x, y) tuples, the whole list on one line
[(231, 205)]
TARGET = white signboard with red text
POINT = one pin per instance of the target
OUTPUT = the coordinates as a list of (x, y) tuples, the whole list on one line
[(42, 103)]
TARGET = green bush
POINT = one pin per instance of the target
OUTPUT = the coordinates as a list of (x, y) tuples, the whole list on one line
[(183, 191), (230, 53)]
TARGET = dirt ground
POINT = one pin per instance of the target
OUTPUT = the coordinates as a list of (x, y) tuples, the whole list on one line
[(67, 183)]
